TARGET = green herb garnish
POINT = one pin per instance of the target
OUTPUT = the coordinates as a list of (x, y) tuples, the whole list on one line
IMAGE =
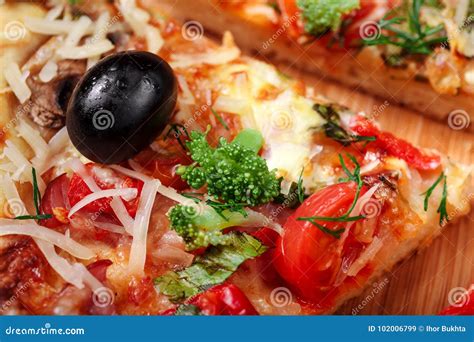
[(351, 176), (332, 127), (321, 16), (442, 210), (178, 131), (36, 200), (300, 188), (408, 33), (211, 268), (219, 118)]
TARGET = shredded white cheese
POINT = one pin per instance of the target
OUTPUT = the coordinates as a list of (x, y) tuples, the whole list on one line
[(221, 55), (132, 192), (15, 80), (138, 250), (117, 205), (85, 51), (9, 227), (50, 27), (49, 71)]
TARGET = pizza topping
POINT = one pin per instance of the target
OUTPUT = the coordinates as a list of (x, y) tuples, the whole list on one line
[(220, 55), (16, 81), (104, 198), (233, 172), (201, 275), (138, 249), (49, 101), (130, 193), (322, 16), (8, 227), (442, 211), (347, 216), (200, 224), (224, 299), (129, 96), (409, 33), (395, 146), (333, 129)]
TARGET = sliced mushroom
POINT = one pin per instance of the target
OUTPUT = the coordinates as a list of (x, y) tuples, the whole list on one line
[(48, 102)]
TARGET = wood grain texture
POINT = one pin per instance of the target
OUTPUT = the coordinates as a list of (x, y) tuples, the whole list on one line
[(420, 284)]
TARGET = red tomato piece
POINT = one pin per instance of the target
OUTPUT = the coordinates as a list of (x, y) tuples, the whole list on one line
[(306, 257), (394, 146), (55, 202), (78, 189), (289, 15), (224, 299)]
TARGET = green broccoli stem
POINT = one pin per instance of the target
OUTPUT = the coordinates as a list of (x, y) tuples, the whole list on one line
[(211, 219)]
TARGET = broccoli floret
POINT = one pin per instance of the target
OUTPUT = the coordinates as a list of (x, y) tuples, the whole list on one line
[(233, 172), (201, 226), (323, 15)]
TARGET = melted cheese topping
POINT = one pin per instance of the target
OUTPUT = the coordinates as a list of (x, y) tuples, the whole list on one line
[(287, 120)]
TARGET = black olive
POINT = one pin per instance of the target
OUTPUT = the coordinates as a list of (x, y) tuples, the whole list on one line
[(121, 105)]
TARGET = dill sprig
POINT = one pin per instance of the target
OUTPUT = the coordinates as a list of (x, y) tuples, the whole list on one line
[(442, 210), (219, 118), (300, 188), (36, 201), (178, 131), (333, 129), (351, 176), (417, 39)]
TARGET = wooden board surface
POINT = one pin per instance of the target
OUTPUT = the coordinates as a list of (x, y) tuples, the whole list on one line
[(422, 283)]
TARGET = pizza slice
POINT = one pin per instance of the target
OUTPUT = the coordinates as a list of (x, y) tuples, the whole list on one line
[(144, 172), (417, 53)]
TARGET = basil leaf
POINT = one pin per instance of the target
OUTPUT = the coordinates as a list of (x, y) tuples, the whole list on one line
[(211, 268)]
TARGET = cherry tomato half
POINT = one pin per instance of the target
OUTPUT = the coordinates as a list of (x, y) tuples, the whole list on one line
[(306, 257)]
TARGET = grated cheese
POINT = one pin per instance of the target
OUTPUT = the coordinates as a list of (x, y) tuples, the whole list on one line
[(132, 192), (78, 31), (34, 140), (48, 72), (117, 205), (9, 227), (100, 32), (138, 250), (67, 271), (51, 27), (15, 80), (154, 40), (85, 51), (221, 55), (54, 12), (12, 152)]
